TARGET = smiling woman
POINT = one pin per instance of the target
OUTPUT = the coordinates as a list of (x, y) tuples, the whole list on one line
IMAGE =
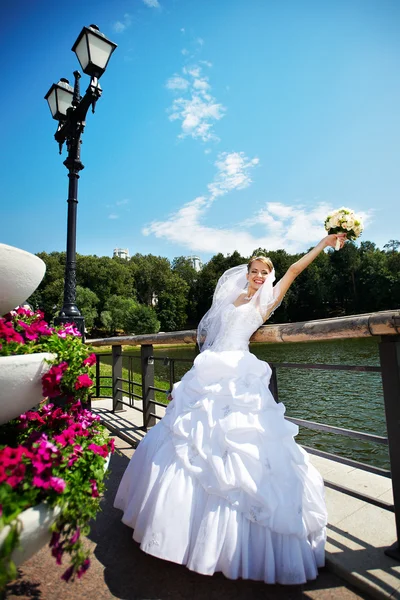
[(219, 484)]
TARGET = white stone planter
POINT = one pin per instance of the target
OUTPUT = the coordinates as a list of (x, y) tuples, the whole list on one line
[(21, 383), (35, 526), (20, 274)]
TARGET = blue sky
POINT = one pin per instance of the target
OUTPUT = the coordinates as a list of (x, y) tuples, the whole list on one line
[(223, 125)]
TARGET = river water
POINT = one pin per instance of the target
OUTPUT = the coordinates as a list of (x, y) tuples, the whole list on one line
[(353, 400)]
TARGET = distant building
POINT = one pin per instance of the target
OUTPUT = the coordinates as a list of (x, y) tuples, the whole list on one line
[(196, 262), (121, 253), (154, 299)]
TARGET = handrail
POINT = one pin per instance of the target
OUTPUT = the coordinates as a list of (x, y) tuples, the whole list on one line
[(385, 322)]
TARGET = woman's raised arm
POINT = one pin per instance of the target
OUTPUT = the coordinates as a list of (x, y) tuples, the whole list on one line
[(298, 267)]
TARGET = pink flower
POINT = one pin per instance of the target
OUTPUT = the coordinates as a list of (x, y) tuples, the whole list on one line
[(95, 491), (68, 574), (55, 538), (66, 438), (26, 312), (57, 551), (17, 475), (77, 453), (100, 450), (32, 415), (8, 333), (75, 537), (111, 444), (83, 568), (52, 379), (40, 482), (90, 360), (68, 329), (83, 381), (57, 484)]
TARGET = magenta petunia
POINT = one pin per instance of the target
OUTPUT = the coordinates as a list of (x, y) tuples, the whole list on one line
[(90, 360), (57, 484), (75, 537), (83, 568), (68, 574), (57, 551), (95, 491), (8, 333), (100, 450), (41, 482), (52, 379), (83, 381)]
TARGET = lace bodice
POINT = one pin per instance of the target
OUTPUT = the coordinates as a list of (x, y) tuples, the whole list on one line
[(238, 323)]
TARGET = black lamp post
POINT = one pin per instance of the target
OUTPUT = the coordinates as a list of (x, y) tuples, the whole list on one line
[(93, 51)]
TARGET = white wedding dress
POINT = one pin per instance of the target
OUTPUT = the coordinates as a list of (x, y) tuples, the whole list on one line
[(219, 484)]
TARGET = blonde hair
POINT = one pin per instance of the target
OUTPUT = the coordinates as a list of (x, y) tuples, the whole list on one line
[(264, 259)]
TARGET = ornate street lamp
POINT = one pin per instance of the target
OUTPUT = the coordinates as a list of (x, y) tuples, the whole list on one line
[(93, 51)]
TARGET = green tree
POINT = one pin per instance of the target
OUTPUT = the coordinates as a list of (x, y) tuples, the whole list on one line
[(183, 267), (86, 300), (106, 277), (106, 321), (118, 309), (392, 246), (141, 319), (171, 304), (150, 275)]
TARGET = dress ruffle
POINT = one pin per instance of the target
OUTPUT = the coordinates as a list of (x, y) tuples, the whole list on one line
[(220, 484)]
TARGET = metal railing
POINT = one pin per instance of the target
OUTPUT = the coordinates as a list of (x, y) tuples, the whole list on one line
[(386, 324)]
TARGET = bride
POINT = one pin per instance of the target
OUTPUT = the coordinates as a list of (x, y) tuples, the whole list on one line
[(219, 484)]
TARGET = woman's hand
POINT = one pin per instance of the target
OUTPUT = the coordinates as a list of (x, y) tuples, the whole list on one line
[(330, 240)]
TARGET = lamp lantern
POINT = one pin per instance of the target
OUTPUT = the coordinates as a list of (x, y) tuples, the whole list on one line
[(59, 98), (93, 50)]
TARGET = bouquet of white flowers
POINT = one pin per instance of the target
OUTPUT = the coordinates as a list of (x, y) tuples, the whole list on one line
[(344, 220)]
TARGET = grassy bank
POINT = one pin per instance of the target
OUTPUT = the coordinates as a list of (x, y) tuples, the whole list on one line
[(106, 371)]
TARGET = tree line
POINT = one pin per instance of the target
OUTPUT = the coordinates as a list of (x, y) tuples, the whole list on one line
[(147, 293)]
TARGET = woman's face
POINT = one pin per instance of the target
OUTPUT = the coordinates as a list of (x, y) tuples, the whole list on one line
[(257, 275)]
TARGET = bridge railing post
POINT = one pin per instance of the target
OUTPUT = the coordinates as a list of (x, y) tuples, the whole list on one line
[(147, 364), (273, 383), (389, 351), (116, 378)]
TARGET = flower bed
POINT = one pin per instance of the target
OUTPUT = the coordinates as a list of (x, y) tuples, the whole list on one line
[(54, 455)]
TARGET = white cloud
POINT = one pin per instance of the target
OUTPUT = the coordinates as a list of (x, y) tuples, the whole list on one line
[(184, 51), (182, 30), (200, 41), (177, 83), (122, 202), (295, 233), (198, 110), (293, 227), (152, 3), (233, 172), (201, 84), (207, 63), (113, 216), (120, 26)]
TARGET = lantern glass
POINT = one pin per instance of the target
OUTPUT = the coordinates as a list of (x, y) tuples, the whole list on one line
[(93, 51), (82, 52), (52, 101), (59, 98)]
